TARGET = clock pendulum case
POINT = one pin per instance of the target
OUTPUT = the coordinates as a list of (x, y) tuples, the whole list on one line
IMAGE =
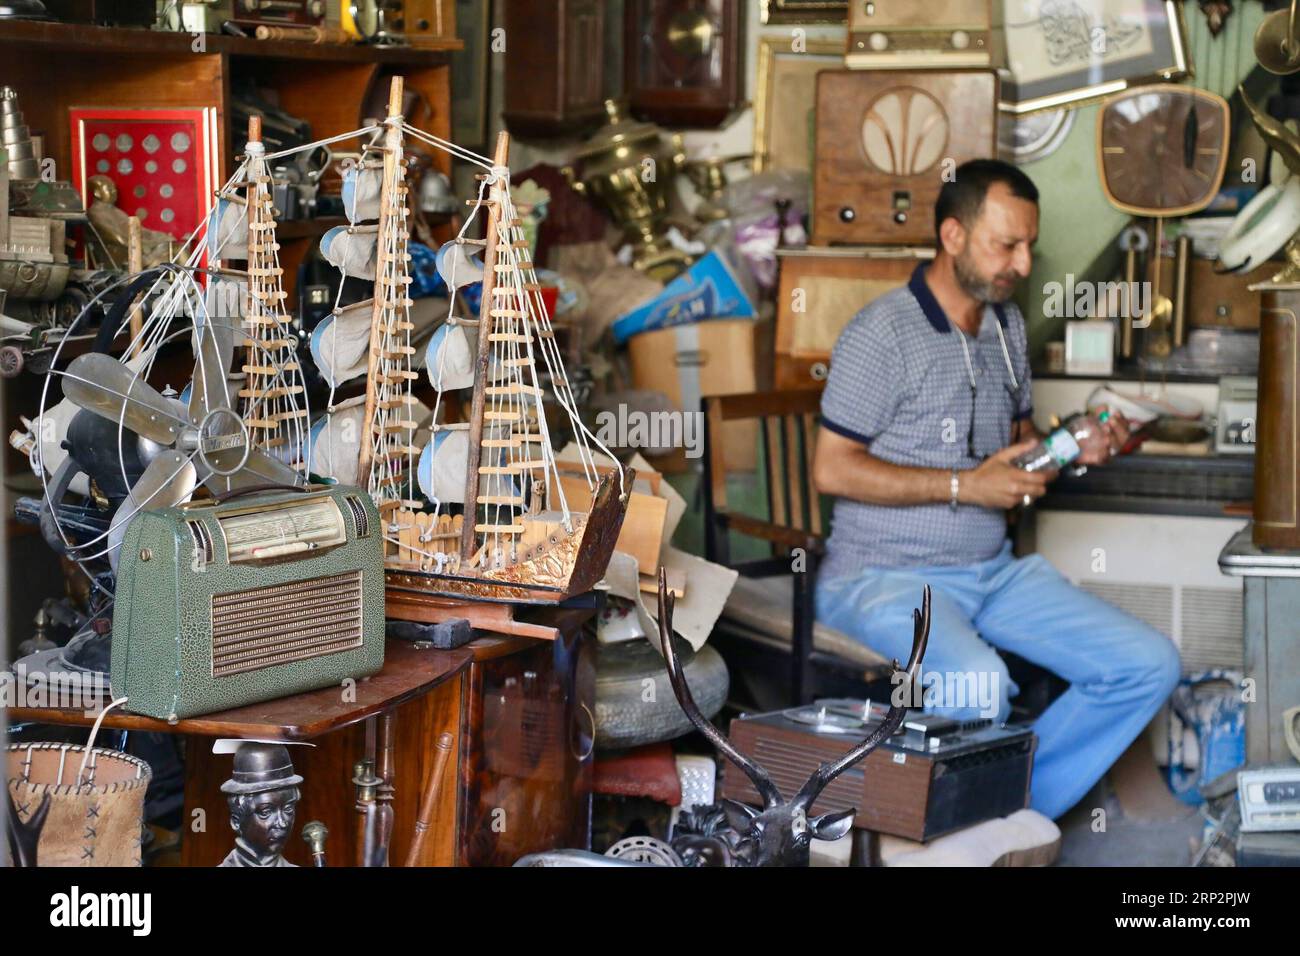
[(1161, 153)]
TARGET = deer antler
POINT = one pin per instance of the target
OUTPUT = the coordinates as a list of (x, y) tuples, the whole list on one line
[(827, 772), (762, 783)]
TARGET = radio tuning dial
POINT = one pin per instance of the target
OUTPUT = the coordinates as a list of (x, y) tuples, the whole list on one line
[(960, 39), (879, 42)]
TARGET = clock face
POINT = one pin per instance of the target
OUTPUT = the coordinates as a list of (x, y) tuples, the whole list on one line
[(1163, 149)]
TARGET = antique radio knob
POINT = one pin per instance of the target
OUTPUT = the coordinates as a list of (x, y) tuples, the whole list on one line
[(960, 39), (847, 214), (878, 42)]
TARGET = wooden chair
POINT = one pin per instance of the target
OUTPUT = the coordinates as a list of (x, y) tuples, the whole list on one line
[(787, 422)]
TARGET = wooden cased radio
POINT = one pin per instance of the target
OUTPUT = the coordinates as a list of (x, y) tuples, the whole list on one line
[(222, 604), (905, 34), (885, 142), (935, 775), (822, 289)]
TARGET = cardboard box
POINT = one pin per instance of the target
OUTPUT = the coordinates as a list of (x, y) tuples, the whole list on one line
[(688, 362)]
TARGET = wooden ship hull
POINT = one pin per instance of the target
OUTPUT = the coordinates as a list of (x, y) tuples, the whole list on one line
[(556, 568)]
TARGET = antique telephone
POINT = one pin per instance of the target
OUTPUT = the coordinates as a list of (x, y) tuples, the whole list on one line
[(1161, 153)]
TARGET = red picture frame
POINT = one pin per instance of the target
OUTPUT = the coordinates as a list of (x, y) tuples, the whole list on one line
[(163, 161)]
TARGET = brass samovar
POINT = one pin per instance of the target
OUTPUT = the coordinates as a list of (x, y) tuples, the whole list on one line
[(629, 167)]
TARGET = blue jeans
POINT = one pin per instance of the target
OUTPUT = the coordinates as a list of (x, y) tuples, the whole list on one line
[(1120, 670)]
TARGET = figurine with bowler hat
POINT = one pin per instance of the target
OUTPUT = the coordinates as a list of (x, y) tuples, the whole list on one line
[(263, 795)]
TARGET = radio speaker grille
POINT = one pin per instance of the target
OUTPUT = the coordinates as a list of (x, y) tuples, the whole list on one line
[(266, 626)]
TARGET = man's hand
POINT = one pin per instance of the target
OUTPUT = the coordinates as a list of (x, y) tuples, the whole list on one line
[(997, 483), (1114, 436)]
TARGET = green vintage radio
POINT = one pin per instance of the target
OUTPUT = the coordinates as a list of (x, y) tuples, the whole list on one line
[(255, 596)]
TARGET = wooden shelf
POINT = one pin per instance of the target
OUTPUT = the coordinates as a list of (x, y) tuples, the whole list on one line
[(73, 37)]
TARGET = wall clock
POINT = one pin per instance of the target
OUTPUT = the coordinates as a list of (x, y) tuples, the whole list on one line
[(1162, 149), (683, 65)]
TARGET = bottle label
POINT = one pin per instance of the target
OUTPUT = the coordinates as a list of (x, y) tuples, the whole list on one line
[(1062, 447)]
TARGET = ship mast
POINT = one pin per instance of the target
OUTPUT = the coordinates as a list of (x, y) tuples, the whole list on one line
[(487, 329), (268, 410), (389, 431)]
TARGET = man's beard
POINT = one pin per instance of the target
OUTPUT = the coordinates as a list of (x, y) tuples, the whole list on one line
[(979, 288)]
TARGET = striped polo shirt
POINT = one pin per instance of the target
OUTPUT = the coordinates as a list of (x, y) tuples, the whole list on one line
[(899, 384)]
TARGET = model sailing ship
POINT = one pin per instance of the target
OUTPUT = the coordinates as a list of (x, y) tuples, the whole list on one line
[(517, 540), (517, 551)]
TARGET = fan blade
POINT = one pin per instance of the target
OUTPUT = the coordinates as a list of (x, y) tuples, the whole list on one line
[(169, 480), (259, 469), (103, 385), (213, 347)]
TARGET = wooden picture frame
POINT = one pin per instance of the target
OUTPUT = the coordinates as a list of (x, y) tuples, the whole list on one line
[(470, 69), (785, 82), (1070, 61), (805, 11)]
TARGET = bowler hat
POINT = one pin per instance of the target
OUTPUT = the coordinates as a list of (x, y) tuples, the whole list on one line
[(261, 767)]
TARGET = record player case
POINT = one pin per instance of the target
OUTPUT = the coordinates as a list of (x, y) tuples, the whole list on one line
[(933, 777)]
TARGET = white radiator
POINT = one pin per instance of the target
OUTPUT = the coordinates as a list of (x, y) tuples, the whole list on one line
[(1162, 569)]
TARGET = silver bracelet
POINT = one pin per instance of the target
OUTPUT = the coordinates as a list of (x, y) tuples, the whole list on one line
[(955, 487)]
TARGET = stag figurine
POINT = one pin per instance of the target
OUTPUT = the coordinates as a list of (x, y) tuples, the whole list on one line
[(781, 833)]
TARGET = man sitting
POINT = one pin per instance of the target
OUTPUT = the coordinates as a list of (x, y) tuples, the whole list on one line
[(927, 404)]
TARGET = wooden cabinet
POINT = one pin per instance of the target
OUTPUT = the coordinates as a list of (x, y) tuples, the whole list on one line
[(821, 290), (55, 66), (518, 781), (555, 68), (526, 755)]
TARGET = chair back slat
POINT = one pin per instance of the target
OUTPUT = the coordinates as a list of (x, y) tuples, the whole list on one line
[(787, 426), (794, 472), (808, 433), (777, 499)]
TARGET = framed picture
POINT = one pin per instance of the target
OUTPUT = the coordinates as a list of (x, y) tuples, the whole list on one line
[(162, 161), (1067, 52), (805, 11), (469, 74), (785, 100)]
